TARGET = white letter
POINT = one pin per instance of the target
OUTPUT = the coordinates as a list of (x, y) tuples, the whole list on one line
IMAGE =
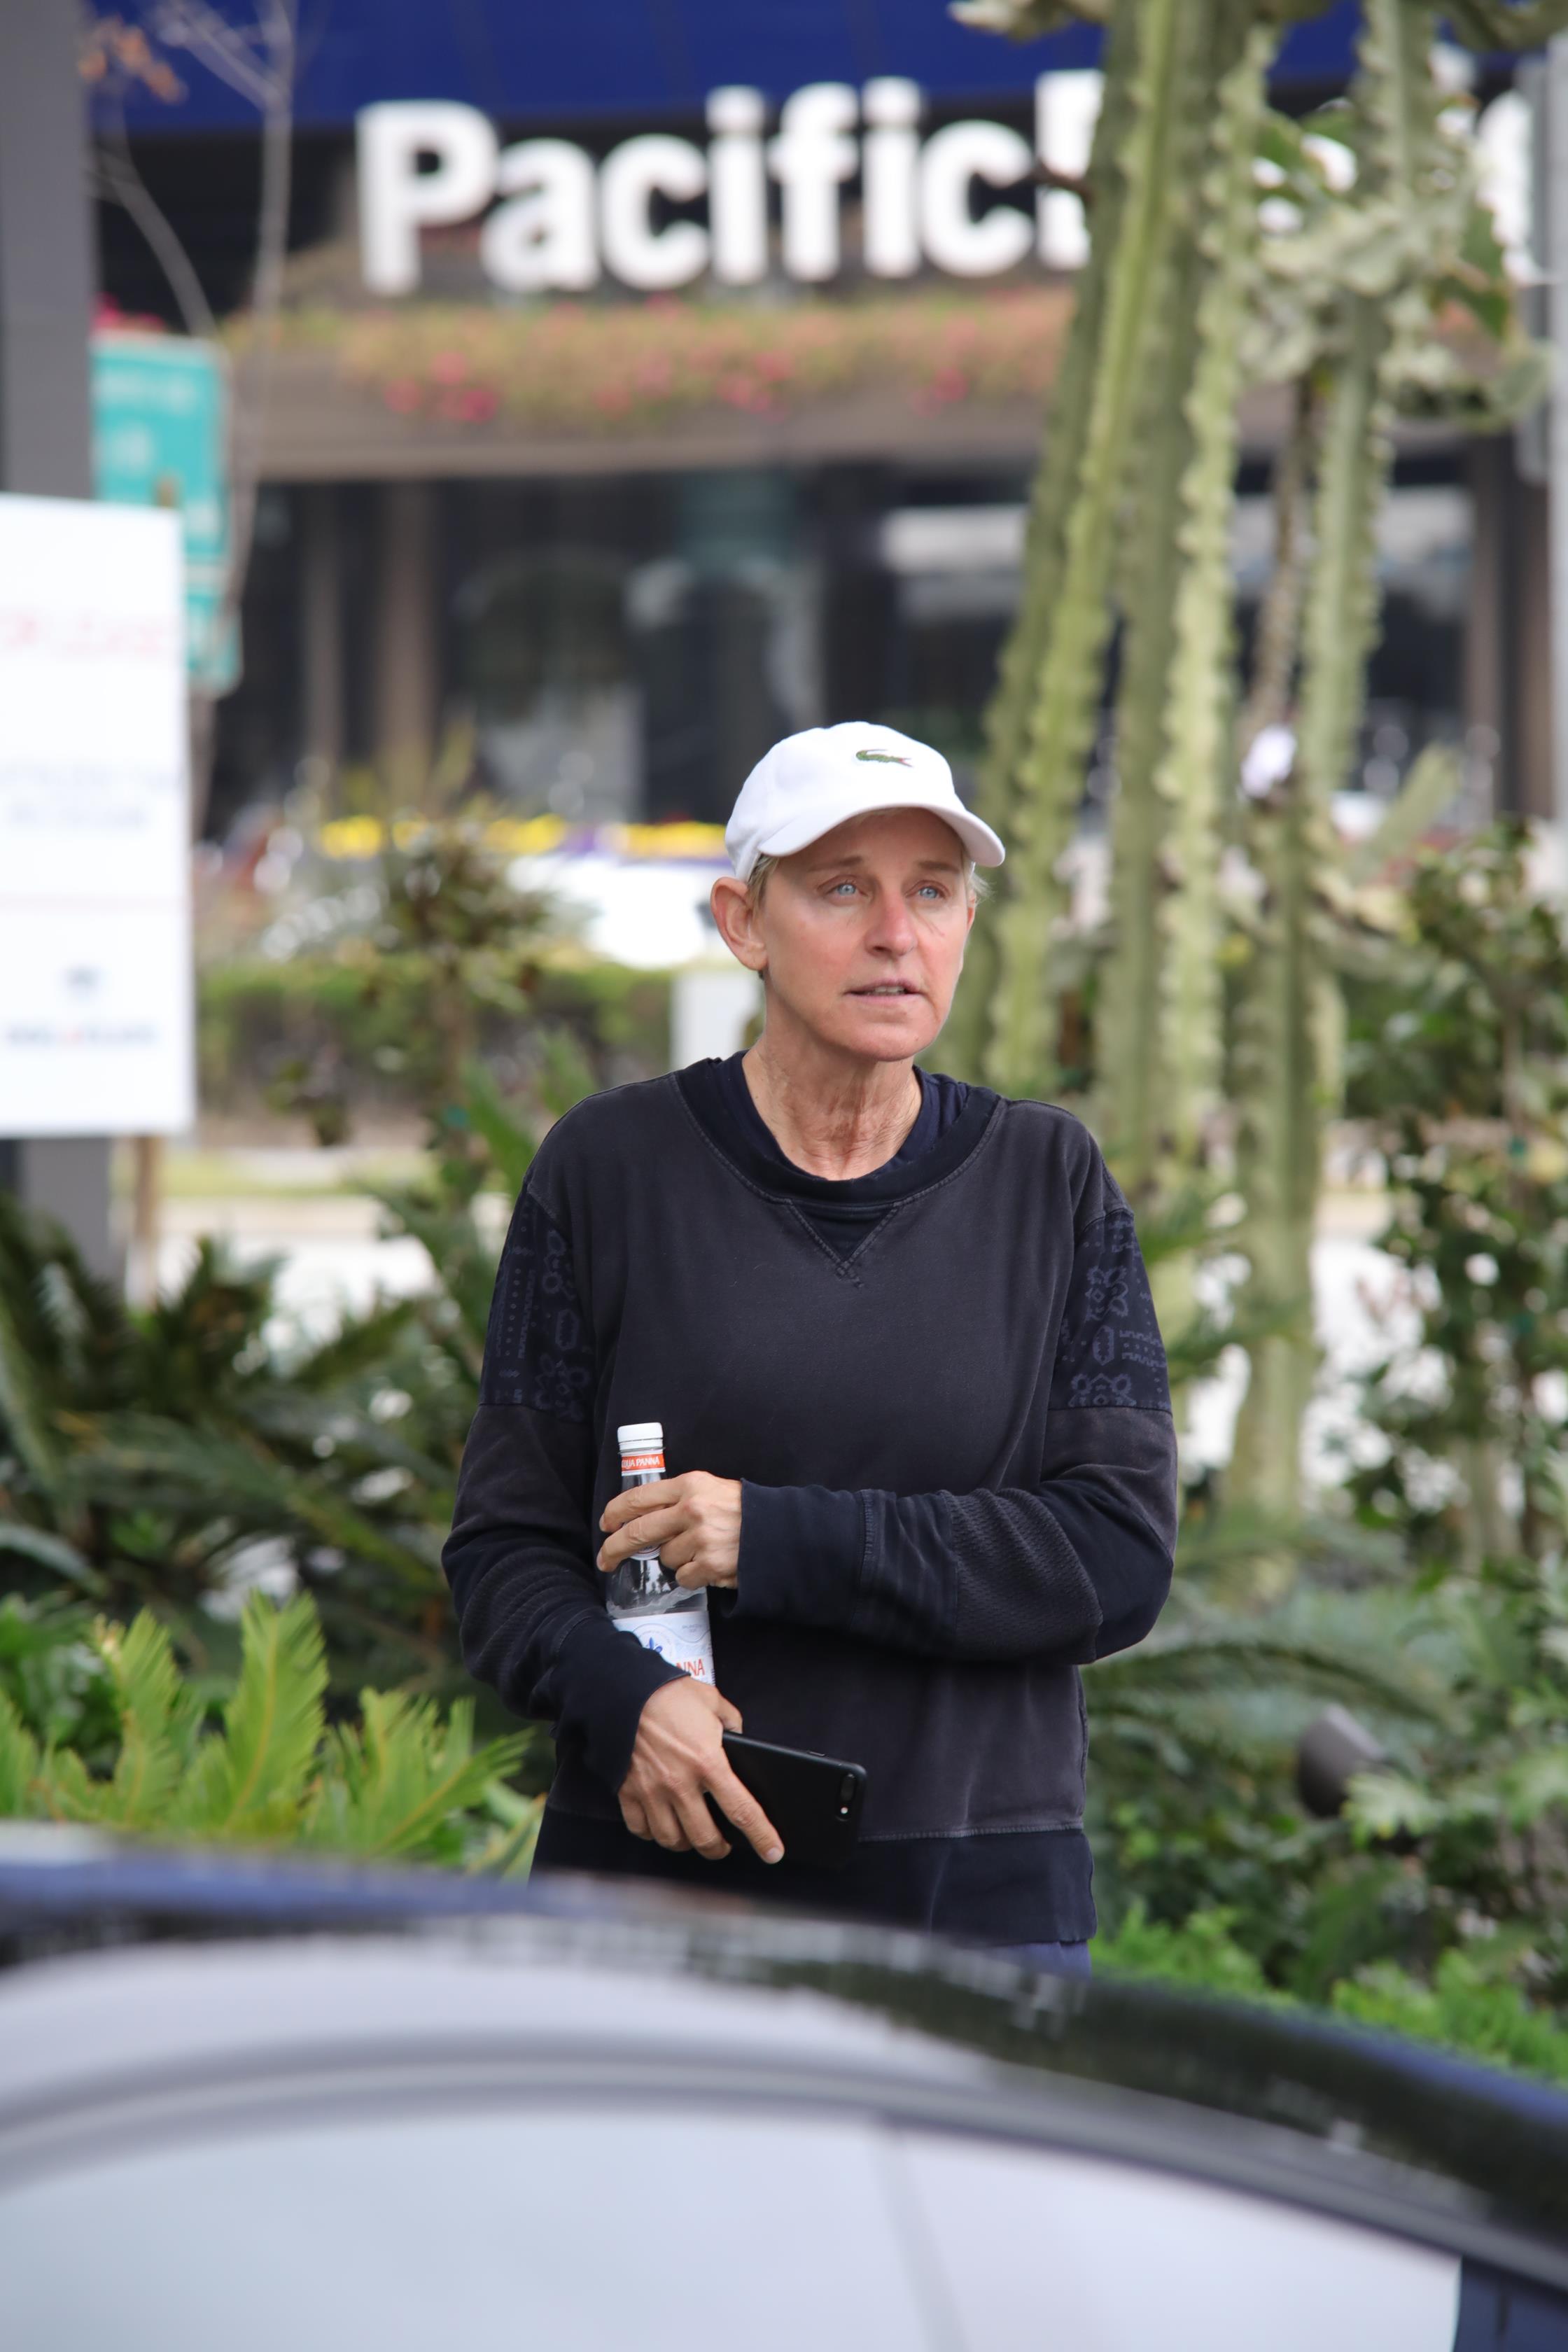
[(892, 246), (951, 160), (544, 236), (1067, 107), (738, 206), (638, 256), (1504, 164), (396, 197), (810, 156)]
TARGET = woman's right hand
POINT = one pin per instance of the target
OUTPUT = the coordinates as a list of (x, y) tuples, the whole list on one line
[(678, 1757)]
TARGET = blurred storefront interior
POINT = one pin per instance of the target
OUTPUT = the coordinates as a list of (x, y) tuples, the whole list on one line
[(607, 612)]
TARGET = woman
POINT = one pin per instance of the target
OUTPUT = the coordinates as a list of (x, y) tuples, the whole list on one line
[(899, 1336)]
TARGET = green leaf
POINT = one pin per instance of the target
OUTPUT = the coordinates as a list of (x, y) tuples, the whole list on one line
[(18, 1764), (393, 1786), (158, 1720), (49, 1551), (1433, 781), (511, 1146), (24, 1409), (255, 1783)]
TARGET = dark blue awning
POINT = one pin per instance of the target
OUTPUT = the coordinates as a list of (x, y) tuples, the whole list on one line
[(528, 62)]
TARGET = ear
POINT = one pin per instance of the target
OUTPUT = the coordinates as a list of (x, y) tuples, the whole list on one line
[(739, 922)]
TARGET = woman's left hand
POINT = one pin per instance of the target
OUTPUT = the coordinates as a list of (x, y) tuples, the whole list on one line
[(694, 1520)]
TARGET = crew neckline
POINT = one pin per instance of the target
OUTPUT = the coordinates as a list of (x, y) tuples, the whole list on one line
[(925, 1129), (752, 1147)]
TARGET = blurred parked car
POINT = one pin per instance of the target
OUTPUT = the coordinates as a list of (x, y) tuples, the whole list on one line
[(249, 2105)]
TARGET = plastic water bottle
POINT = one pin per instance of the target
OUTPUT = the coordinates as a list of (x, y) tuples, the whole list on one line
[(645, 1600)]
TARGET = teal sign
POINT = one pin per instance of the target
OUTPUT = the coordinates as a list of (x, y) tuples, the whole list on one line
[(160, 412)]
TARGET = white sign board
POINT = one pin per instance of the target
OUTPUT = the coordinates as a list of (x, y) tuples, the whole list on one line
[(97, 1034)]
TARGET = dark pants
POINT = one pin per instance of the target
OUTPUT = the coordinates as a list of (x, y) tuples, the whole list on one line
[(874, 1889), (1054, 1960)]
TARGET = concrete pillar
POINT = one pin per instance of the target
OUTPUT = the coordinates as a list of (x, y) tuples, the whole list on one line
[(406, 674), (45, 310), (1508, 638), (1538, 649), (322, 616)]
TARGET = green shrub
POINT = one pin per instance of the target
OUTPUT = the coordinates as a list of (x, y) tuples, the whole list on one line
[(1462, 2009), (1465, 2008), (1202, 1954), (404, 1781), (387, 992)]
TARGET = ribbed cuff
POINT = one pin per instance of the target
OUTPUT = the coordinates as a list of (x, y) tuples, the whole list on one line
[(606, 1678), (801, 1553)]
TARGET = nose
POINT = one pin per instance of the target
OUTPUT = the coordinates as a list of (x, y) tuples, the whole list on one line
[(893, 930)]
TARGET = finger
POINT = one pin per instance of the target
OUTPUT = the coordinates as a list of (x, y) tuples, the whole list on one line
[(665, 1824), (741, 1811), (701, 1827), (693, 1575), (645, 1534), (635, 1817), (660, 1493), (728, 1713)]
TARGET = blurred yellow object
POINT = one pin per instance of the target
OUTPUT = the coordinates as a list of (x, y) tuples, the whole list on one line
[(534, 836), (1546, 1161)]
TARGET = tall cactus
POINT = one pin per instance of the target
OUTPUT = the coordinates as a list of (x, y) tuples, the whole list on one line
[(1056, 488), (1062, 690), (1161, 1015), (1192, 291), (1366, 275)]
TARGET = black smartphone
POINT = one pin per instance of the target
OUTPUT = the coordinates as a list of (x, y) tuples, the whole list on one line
[(813, 1801)]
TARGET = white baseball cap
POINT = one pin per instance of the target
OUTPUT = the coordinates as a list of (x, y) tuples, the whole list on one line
[(821, 778)]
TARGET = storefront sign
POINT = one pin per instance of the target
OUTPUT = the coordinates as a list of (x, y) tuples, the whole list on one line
[(565, 220), (96, 1028), (160, 405)]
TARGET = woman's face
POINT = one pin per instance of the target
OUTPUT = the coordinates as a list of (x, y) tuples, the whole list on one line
[(860, 935)]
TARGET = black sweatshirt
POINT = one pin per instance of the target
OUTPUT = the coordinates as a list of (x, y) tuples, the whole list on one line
[(954, 1434)]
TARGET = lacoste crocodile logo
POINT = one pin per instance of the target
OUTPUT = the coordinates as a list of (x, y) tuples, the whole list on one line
[(888, 758)]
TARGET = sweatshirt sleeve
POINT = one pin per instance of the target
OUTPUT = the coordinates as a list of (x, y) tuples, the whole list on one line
[(1079, 1564), (520, 1559)]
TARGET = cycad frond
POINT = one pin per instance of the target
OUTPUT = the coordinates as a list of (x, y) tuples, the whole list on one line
[(361, 1346), (158, 1723), (508, 1853), (160, 1463), (392, 1787), (19, 1793), (24, 1410), (49, 1551), (254, 1781)]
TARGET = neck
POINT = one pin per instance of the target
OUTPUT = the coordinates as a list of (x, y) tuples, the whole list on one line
[(833, 1114)]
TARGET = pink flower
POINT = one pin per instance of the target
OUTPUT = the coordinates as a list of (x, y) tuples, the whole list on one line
[(448, 367), (404, 395), (478, 403)]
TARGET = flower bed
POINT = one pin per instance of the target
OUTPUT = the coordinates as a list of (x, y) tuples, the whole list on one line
[(571, 366)]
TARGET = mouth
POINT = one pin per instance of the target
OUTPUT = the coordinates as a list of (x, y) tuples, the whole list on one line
[(886, 991)]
